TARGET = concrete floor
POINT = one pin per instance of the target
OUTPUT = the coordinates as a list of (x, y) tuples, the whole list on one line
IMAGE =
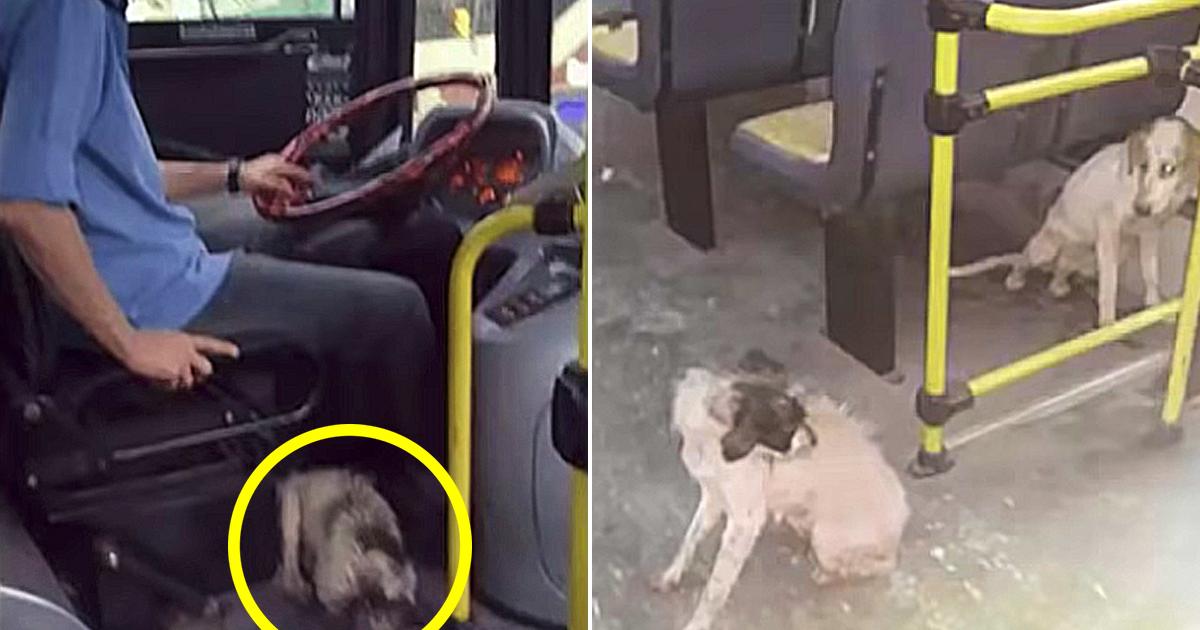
[(1066, 522)]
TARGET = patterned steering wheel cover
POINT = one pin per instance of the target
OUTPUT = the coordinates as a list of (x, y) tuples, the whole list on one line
[(399, 179)]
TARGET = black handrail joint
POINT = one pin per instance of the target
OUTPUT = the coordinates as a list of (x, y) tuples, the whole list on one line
[(952, 16), (1170, 66), (936, 411), (947, 114)]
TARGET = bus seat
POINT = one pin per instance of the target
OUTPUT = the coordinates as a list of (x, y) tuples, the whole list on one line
[(901, 59), (986, 148), (652, 49), (626, 50), (879, 155), (672, 58)]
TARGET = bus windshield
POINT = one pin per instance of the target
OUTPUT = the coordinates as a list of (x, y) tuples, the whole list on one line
[(203, 10)]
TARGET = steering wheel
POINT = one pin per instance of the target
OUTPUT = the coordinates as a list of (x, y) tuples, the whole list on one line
[(399, 179)]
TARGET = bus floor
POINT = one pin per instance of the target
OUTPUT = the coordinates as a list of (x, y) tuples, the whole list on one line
[(1060, 520), (285, 613)]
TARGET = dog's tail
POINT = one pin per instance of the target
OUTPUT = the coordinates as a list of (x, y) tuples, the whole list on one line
[(987, 264)]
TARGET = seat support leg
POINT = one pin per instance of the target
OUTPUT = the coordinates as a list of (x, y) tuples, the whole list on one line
[(860, 292), (682, 129)]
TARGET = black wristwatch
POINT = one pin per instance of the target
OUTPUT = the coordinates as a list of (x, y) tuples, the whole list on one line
[(233, 175)]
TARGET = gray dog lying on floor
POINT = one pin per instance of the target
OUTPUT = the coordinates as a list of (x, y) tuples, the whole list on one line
[(341, 542), (763, 450)]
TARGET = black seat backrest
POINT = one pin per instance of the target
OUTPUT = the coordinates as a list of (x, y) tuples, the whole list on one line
[(27, 346), (638, 83), (985, 147), (702, 48), (1107, 113), (26, 353)]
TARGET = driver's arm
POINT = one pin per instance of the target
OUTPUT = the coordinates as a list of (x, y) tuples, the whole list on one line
[(41, 128), (51, 243), (269, 174), (53, 91)]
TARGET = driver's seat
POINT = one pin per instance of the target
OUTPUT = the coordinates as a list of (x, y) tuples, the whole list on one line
[(116, 478)]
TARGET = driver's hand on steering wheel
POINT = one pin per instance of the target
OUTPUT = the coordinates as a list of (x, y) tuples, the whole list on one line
[(271, 175)]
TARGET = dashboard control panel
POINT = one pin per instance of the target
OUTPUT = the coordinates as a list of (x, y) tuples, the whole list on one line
[(554, 281)]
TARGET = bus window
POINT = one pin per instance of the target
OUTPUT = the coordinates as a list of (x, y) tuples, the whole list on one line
[(569, 60), (452, 35), (175, 10)]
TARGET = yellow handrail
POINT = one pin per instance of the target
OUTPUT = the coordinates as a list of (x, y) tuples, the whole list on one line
[(1006, 18), (1086, 342), (1042, 88), (941, 198), (578, 604), (502, 223), (1185, 333), (936, 403), (491, 229)]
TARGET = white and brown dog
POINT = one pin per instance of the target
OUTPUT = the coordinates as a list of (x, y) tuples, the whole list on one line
[(342, 543), (763, 450), (1118, 200)]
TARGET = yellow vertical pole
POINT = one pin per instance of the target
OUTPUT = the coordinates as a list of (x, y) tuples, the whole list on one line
[(459, 395), (941, 200), (459, 409), (578, 595), (1185, 333)]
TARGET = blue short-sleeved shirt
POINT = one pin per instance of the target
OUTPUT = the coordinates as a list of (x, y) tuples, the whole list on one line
[(71, 136)]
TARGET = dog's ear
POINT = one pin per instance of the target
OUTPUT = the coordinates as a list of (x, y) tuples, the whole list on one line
[(1135, 149), (400, 583), (794, 415), (799, 413), (756, 361), (737, 443), (1193, 146), (800, 417)]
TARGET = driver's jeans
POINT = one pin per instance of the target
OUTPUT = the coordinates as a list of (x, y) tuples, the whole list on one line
[(368, 293)]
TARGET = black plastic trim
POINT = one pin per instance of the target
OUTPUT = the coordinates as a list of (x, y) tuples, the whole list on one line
[(569, 423), (870, 146), (554, 217)]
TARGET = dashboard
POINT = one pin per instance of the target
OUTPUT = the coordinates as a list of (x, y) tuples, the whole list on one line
[(515, 147), (512, 149)]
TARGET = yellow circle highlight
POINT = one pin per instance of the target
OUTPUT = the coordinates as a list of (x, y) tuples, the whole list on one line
[(461, 572)]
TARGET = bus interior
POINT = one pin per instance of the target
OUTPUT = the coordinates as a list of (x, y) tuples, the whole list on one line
[(117, 501), (777, 196)]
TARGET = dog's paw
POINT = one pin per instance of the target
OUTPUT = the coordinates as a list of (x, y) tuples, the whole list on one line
[(1059, 290), (294, 585), (1152, 299), (821, 577), (1014, 282), (666, 582)]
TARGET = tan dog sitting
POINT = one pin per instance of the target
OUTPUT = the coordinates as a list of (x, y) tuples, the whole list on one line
[(762, 450), (1116, 202)]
